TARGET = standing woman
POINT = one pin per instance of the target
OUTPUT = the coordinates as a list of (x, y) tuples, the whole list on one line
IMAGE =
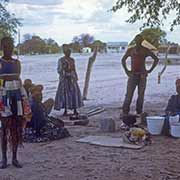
[(11, 114), (68, 95)]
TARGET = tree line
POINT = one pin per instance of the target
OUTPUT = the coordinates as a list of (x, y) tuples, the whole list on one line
[(152, 13), (34, 44)]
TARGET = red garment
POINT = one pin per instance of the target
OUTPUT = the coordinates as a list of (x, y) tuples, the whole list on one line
[(137, 63), (13, 130)]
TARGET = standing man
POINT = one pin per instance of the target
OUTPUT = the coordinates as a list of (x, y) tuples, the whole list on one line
[(138, 74)]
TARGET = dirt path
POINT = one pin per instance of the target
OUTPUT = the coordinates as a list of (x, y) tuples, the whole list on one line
[(67, 160)]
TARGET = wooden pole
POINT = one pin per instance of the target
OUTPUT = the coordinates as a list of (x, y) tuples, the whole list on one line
[(165, 66), (88, 73)]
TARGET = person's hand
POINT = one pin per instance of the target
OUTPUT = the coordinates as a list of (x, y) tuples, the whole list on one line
[(129, 73), (148, 72)]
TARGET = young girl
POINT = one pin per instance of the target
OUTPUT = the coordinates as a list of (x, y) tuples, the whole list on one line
[(11, 96)]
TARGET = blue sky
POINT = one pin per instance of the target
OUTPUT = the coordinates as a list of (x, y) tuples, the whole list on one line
[(63, 19)]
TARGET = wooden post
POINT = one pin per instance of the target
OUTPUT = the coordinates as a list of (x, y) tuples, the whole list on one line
[(165, 66), (88, 73)]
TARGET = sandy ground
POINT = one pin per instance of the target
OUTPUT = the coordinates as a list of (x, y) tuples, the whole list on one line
[(67, 160)]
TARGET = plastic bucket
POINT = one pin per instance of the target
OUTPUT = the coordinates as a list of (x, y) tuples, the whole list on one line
[(155, 124), (175, 130), (173, 119)]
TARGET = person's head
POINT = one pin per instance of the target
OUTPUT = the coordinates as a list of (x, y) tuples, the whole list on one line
[(178, 86), (138, 39), (27, 82), (36, 93), (7, 45), (67, 52), (40, 87), (27, 85)]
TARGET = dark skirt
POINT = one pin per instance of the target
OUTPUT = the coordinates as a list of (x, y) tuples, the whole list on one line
[(68, 94), (12, 126), (13, 129)]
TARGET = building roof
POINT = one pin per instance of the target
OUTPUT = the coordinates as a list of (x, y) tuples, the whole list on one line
[(123, 43)]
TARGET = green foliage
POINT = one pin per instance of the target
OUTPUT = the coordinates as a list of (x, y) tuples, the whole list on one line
[(153, 12), (83, 39), (155, 36), (36, 45), (8, 22)]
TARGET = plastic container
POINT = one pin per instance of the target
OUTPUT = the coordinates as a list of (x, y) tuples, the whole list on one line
[(173, 119), (175, 129), (155, 124)]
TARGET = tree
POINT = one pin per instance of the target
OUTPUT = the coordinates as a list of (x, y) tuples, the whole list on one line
[(27, 36), (8, 22), (155, 36), (52, 46), (33, 46), (101, 46), (152, 12), (37, 45), (83, 39)]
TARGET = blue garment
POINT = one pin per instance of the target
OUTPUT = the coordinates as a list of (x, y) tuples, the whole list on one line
[(68, 94), (11, 88), (173, 104), (174, 108), (38, 120), (9, 67)]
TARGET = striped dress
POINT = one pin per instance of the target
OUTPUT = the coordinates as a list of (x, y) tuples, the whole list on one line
[(11, 98), (68, 94)]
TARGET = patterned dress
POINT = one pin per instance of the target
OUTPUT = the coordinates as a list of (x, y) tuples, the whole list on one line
[(11, 98), (68, 94)]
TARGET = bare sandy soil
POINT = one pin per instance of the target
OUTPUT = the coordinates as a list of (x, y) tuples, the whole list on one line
[(67, 160)]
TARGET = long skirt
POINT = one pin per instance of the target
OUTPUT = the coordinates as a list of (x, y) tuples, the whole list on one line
[(68, 95), (12, 126)]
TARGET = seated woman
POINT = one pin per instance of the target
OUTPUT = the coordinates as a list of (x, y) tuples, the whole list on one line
[(40, 110), (173, 107)]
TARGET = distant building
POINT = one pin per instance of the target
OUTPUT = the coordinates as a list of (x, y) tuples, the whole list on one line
[(116, 47), (86, 50)]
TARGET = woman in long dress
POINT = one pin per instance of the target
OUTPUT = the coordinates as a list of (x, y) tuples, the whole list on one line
[(68, 95)]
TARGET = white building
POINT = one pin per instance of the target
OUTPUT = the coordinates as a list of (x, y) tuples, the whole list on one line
[(86, 50), (116, 47)]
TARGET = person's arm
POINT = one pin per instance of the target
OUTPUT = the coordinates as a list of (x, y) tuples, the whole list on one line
[(156, 60), (124, 59), (170, 107), (59, 66), (75, 72), (18, 67)]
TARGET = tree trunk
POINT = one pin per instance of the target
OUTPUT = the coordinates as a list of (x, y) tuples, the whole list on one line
[(88, 73)]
